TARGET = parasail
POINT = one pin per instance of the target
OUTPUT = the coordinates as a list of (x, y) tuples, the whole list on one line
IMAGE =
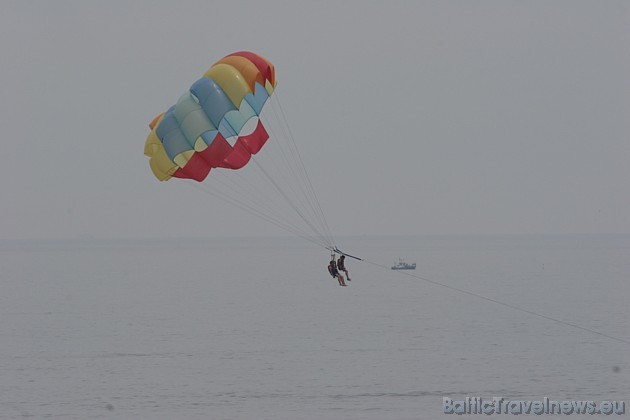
[(218, 123), (205, 128)]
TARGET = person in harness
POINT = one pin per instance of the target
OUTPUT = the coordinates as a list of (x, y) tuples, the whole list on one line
[(332, 269), (341, 266)]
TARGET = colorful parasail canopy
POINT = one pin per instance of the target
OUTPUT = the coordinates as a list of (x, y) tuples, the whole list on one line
[(203, 129)]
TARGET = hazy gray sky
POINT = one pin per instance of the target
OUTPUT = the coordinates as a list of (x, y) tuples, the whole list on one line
[(436, 116)]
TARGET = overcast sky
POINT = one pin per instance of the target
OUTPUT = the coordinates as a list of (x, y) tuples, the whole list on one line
[(435, 116)]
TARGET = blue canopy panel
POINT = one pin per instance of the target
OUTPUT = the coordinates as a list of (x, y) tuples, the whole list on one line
[(213, 100), (221, 112), (205, 111), (171, 135), (191, 117), (236, 119), (258, 99)]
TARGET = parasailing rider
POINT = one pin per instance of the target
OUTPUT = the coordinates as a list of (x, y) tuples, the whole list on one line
[(332, 269), (341, 266)]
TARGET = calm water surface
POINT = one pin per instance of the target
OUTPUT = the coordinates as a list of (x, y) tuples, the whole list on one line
[(257, 329)]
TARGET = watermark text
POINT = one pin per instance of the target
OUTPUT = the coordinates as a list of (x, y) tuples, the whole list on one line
[(497, 405)]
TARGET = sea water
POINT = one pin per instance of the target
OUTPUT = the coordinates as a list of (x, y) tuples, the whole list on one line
[(255, 328)]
